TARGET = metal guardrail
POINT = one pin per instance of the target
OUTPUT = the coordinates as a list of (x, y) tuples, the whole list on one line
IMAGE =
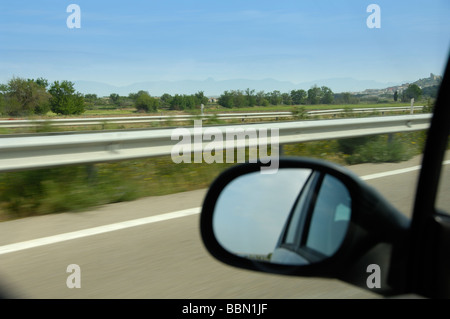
[(381, 110), (166, 118), (31, 152), (137, 119)]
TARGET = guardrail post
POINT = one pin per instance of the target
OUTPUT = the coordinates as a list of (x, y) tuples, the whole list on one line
[(91, 171), (390, 138)]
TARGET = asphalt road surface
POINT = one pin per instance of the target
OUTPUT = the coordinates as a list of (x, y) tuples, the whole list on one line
[(158, 255)]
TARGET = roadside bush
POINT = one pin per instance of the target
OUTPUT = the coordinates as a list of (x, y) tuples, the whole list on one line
[(65, 100), (378, 151), (380, 148), (300, 112), (60, 189), (77, 188), (24, 97), (429, 108), (146, 103), (349, 145)]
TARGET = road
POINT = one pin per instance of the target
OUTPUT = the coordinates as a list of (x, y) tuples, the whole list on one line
[(160, 258)]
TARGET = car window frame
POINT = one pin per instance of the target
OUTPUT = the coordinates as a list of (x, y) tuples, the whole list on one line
[(426, 218)]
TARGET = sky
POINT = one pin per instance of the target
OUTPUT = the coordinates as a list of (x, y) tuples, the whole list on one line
[(125, 42), (252, 210)]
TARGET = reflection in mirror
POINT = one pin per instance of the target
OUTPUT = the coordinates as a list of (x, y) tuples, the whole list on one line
[(296, 216)]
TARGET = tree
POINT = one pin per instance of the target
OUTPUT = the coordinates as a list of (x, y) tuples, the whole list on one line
[(226, 99), (3, 88), (200, 98), (91, 97), (190, 101), (298, 97), (178, 102), (261, 99), (2, 103), (395, 96), (286, 99), (412, 92), (327, 95), (42, 82), (314, 95), (431, 91), (183, 102), (144, 102), (251, 98), (90, 100), (132, 96), (165, 100), (115, 98), (275, 98), (65, 100), (24, 97), (346, 98), (239, 99)]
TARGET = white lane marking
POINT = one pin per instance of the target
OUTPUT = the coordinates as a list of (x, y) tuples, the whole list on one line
[(395, 172), (143, 221), (95, 230), (390, 173)]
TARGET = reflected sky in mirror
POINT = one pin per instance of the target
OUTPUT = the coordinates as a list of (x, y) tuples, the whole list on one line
[(252, 210)]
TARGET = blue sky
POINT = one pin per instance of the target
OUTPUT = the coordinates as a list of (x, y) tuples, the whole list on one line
[(252, 210), (124, 42)]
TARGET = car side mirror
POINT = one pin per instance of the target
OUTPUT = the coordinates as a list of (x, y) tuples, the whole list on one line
[(309, 218), (295, 217)]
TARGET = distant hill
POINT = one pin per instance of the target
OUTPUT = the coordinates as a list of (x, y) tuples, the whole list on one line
[(212, 87), (432, 80)]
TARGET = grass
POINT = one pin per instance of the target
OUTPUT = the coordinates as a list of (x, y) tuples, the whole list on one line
[(82, 187), (109, 112), (214, 109), (300, 113), (289, 108)]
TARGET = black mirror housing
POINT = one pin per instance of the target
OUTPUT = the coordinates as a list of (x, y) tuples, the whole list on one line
[(375, 235)]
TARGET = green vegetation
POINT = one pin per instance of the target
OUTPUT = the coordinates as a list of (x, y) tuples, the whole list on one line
[(185, 102), (299, 113), (25, 98), (78, 188), (249, 98), (64, 100), (381, 148), (81, 187), (22, 97), (367, 149), (412, 92), (306, 107), (108, 112), (145, 103), (142, 101)]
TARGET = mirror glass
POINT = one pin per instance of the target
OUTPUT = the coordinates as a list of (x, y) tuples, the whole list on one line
[(296, 216)]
